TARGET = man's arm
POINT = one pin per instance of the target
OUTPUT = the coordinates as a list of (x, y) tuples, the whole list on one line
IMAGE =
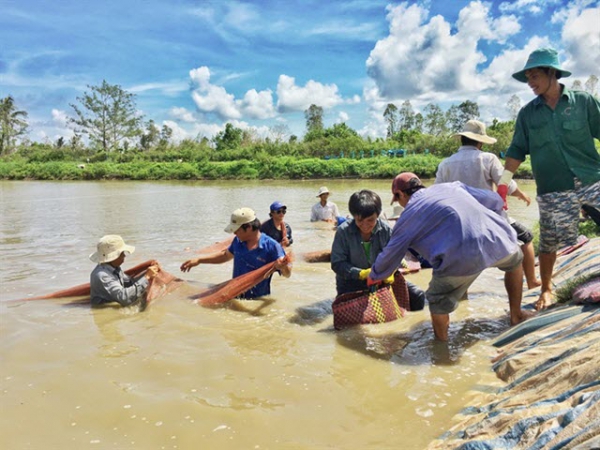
[(215, 258), (510, 167)]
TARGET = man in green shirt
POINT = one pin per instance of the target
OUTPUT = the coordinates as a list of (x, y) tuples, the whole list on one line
[(557, 129)]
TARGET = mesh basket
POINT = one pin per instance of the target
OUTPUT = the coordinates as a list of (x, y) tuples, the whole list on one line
[(361, 307), (400, 290)]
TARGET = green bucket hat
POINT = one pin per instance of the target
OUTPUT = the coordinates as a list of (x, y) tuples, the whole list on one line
[(542, 57)]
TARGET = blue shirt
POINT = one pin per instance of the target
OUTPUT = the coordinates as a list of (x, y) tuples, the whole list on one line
[(457, 228), (245, 261)]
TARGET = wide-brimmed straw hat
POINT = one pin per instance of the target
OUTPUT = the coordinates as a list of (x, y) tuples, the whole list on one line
[(323, 190), (238, 218), (109, 248), (474, 129), (542, 57)]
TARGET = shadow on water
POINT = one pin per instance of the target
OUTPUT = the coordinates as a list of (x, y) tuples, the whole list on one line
[(418, 346), (252, 307), (312, 314)]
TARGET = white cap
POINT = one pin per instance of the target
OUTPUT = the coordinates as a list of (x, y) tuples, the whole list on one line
[(238, 218)]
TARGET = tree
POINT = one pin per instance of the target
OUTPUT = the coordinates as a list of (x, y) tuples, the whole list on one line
[(435, 120), (406, 116), (166, 133), (590, 85), (12, 124), (340, 131), (149, 138), (418, 123), (279, 132), (314, 119), (390, 116), (107, 115), (514, 106), (228, 139), (468, 110), (453, 119)]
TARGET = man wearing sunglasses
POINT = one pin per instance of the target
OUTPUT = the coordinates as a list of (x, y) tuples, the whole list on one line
[(276, 227), (250, 250), (460, 230)]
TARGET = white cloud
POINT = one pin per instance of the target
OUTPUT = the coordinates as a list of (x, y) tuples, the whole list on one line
[(168, 88), (182, 114), (421, 56), (343, 117), (258, 105), (581, 40), (296, 98), (499, 72), (534, 7), (210, 98), (60, 118)]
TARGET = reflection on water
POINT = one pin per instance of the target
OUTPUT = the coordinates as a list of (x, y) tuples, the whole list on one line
[(269, 374)]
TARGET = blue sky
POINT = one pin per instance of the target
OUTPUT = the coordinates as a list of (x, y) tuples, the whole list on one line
[(196, 65)]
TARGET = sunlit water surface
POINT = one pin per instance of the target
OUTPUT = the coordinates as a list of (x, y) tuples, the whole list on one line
[(265, 374)]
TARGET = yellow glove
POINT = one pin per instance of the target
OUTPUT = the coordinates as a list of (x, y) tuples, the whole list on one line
[(363, 274), (389, 280)]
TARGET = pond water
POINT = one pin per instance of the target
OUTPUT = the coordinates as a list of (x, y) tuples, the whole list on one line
[(265, 374)]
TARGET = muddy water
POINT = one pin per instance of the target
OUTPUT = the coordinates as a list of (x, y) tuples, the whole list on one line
[(265, 374)]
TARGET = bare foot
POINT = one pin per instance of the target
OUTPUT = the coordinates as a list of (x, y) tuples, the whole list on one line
[(535, 283), (522, 317), (544, 301)]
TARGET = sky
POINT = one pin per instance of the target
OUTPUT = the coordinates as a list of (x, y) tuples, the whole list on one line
[(195, 65)]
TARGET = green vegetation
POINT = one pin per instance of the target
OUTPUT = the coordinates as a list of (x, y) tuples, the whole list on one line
[(283, 167), (110, 140), (565, 293)]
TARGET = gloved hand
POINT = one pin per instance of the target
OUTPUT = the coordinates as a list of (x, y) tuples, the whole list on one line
[(404, 264), (363, 274), (389, 280), (503, 192)]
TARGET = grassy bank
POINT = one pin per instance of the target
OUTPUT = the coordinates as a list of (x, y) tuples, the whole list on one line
[(264, 168)]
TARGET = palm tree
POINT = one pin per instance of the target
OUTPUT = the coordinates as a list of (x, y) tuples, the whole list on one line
[(12, 124)]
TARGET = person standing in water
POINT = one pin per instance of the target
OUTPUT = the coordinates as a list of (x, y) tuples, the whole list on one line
[(483, 170), (325, 210), (275, 227), (250, 250), (108, 282)]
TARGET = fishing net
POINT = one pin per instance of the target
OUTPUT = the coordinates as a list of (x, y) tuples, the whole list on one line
[(235, 287), (217, 246), (160, 285), (318, 256)]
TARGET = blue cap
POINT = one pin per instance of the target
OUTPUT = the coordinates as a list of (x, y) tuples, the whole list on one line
[(277, 205)]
